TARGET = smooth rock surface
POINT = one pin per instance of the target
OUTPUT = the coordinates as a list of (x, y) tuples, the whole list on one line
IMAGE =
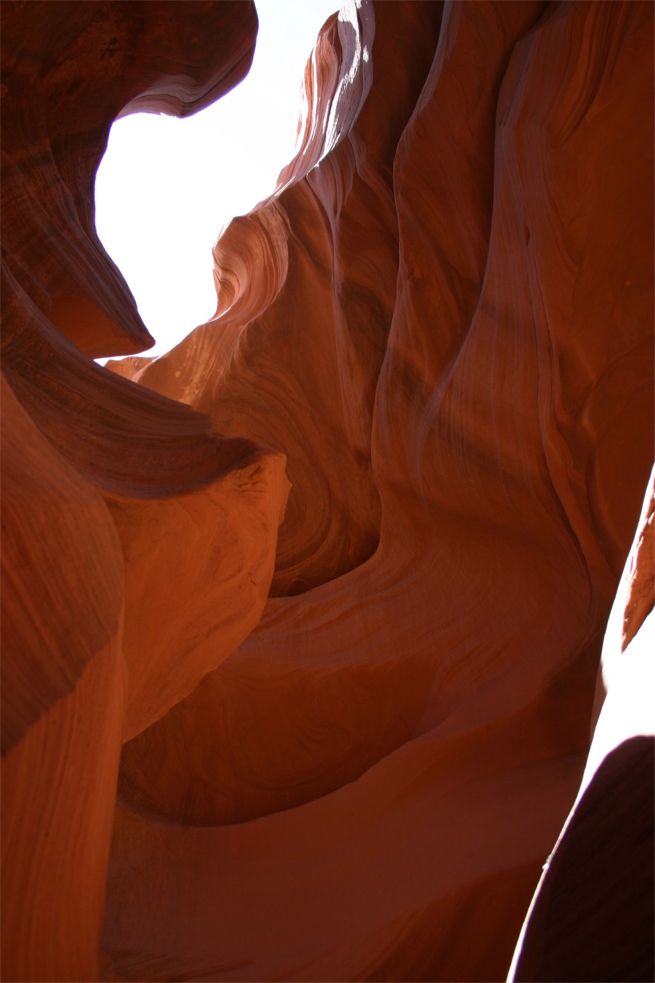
[(350, 748), (447, 327), (593, 915), (138, 544), (67, 72)]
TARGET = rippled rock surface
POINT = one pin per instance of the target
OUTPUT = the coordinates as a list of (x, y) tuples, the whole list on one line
[(443, 320), (138, 544)]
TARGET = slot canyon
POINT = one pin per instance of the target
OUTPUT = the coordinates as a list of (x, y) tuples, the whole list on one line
[(327, 637)]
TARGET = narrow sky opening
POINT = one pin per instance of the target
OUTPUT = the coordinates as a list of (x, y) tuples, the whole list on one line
[(166, 187)]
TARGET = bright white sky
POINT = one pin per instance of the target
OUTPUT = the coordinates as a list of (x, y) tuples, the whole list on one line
[(166, 187)]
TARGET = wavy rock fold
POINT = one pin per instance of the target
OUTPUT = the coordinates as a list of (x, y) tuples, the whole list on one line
[(351, 745)]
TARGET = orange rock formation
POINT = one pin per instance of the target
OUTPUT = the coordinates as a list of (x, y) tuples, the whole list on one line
[(443, 321), (594, 910), (138, 545)]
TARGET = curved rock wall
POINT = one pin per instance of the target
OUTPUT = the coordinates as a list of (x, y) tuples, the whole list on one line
[(116, 502), (593, 914), (443, 321), (445, 325), (67, 72)]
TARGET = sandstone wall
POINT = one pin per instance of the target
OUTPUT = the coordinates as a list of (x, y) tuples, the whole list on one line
[(443, 321)]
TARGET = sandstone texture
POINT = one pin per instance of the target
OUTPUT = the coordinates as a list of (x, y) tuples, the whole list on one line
[(138, 544), (593, 915), (349, 746)]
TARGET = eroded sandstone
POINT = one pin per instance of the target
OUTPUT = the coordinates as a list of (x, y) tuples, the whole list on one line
[(443, 321), (426, 699), (117, 503)]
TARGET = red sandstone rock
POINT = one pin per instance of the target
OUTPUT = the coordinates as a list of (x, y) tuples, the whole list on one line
[(593, 916), (62, 692), (446, 328), (116, 502), (67, 72), (379, 771)]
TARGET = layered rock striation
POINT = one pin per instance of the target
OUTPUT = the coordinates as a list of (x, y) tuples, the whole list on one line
[(445, 325), (441, 323), (116, 502), (593, 914)]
